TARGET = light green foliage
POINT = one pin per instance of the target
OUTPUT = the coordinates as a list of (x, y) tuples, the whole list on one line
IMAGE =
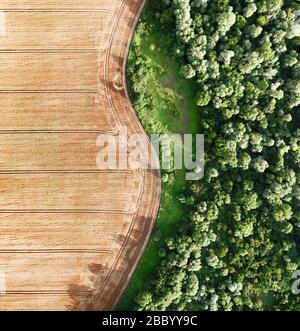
[(260, 165), (250, 10), (225, 21)]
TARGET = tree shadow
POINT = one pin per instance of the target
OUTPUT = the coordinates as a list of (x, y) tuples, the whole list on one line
[(81, 295), (104, 291)]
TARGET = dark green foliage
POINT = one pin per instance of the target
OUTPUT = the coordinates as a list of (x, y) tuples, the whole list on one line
[(239, 244)]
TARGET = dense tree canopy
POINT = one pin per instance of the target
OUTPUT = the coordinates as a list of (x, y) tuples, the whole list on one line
[(240, 239)]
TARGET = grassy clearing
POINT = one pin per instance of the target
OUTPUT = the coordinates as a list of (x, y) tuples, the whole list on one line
[(171, 110)]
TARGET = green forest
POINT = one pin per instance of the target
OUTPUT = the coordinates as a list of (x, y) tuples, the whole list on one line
[(228, 69)]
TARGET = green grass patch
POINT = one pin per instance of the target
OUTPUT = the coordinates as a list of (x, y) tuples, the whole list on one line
[(164, 103)]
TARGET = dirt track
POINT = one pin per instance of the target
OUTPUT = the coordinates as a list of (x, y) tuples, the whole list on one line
[(70, 235)]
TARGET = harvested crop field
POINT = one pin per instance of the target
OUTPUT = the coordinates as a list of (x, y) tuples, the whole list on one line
[(71, 235)]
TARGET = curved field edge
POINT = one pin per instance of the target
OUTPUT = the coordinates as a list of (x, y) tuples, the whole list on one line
[(165, 103), (134, 244)]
